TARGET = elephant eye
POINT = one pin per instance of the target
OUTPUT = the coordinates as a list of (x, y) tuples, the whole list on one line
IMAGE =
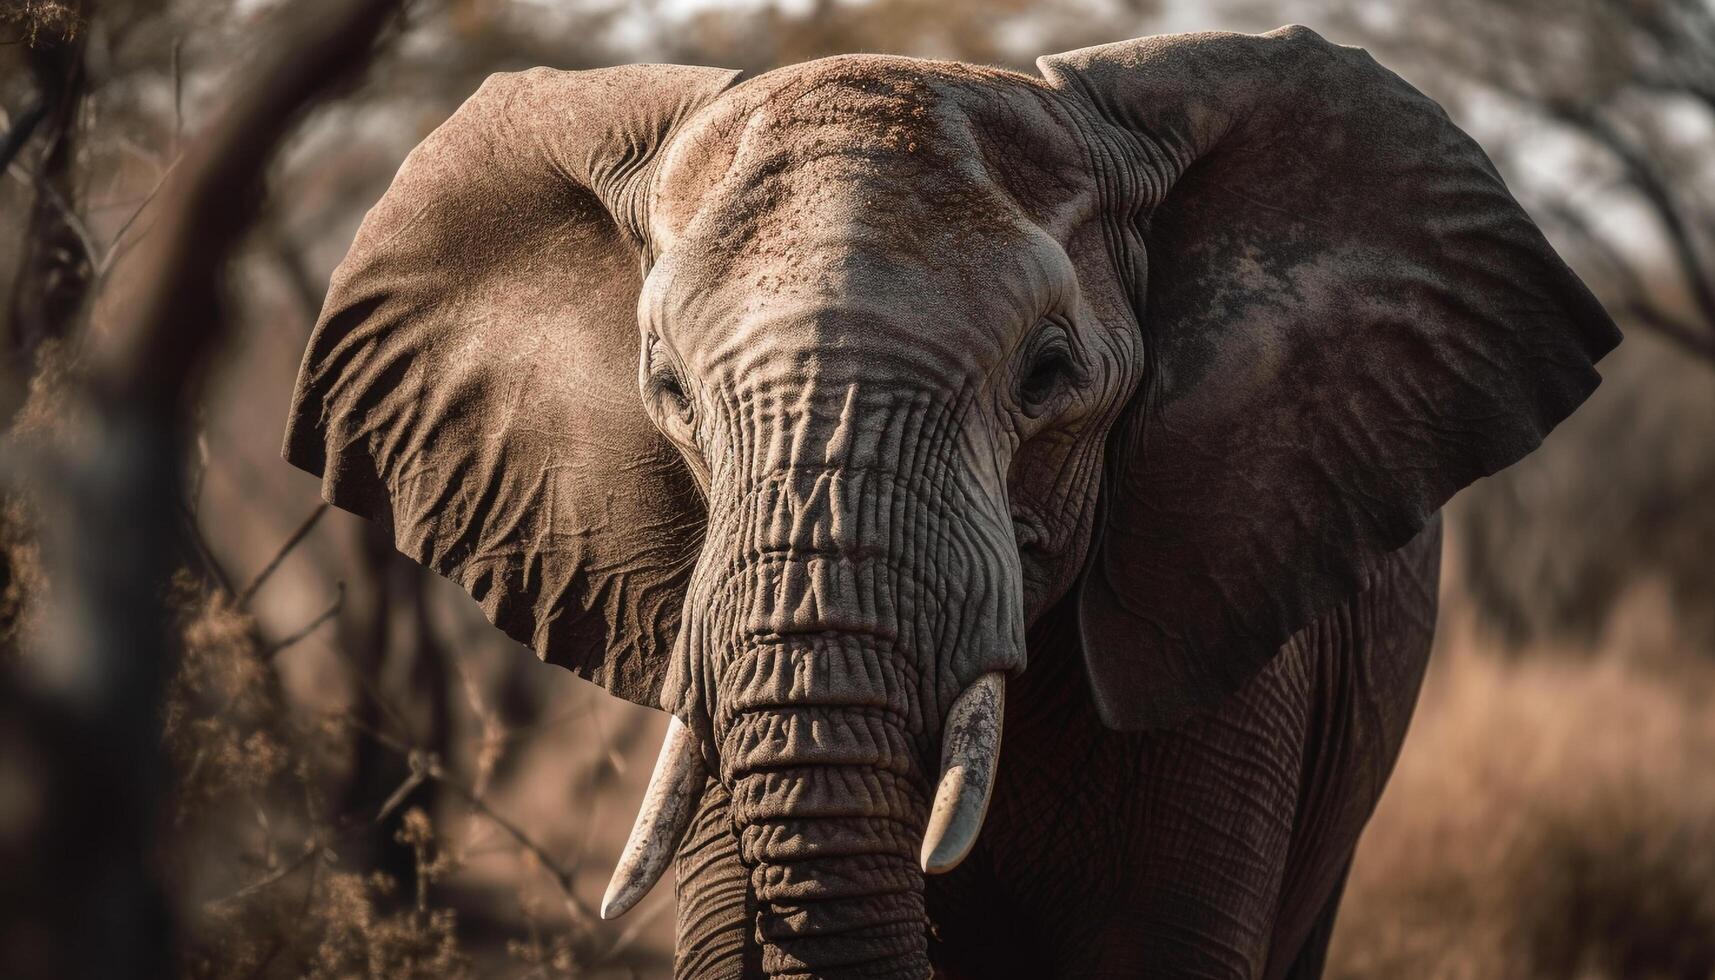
[(1049, 371), (665, 387), (670, 390)]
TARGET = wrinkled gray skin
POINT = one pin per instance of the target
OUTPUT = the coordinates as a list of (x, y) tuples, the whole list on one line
[(795, 404)]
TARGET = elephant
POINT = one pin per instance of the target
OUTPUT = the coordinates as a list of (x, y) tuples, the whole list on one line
[(1022, 491)]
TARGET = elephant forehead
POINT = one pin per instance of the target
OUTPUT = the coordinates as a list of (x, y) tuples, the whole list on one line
[(854, 194), (918, 148)]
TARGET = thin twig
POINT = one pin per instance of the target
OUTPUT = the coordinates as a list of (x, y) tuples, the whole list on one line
[(114, 249), (22, 130), (562, 878), (370, 690), (296, 538), (205, 554), (428, 765), (494, 733), (178, 96), (327, 614), (414, 780), (198, 475), (92, 254), (1694, 341), (101, 260), (386, 740), (313, 848)]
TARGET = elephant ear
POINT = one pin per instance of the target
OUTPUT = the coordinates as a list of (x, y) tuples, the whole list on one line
[(1349, 319), (471, 383)]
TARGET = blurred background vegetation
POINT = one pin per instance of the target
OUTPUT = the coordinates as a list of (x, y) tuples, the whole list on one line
[(363, 779)]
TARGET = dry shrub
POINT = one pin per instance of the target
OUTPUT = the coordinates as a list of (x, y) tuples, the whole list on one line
[(255, 849), (43, 21), (273, 881), (1550, 817), (223, 723), (340, 926), (420, 941), (20, 574), (41, 419)]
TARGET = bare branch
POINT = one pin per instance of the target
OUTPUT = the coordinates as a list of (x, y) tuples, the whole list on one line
[(1689, 338), (21, 131), (174, 322), (313, 848), (427, 766), (297, 537), (1655, 190), (1633, 301), (67, 213), (579, 912), (284, 871), (414, 780), (304, 633), (117, 247), (199, 544)]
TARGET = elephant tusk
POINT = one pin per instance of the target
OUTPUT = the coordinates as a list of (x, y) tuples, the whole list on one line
[(668, 805), (970, 753)]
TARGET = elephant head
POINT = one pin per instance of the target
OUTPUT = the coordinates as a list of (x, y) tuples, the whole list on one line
[(788, 404)]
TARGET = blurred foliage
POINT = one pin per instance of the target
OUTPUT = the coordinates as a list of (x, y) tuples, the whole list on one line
[(1011, 33), (1548, 819), (1620, 499)]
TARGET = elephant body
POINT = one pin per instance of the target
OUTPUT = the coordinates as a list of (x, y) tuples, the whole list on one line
[(1215, 850), (829, 410)]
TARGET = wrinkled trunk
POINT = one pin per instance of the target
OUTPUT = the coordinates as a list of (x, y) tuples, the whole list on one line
[(856, 575), (829, 805)]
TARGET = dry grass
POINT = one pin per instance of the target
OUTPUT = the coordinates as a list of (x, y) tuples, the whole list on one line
[(1551, 816)]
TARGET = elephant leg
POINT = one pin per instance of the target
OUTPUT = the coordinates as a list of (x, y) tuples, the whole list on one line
[(1313, 955), (1370, 670), (716, 909)]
